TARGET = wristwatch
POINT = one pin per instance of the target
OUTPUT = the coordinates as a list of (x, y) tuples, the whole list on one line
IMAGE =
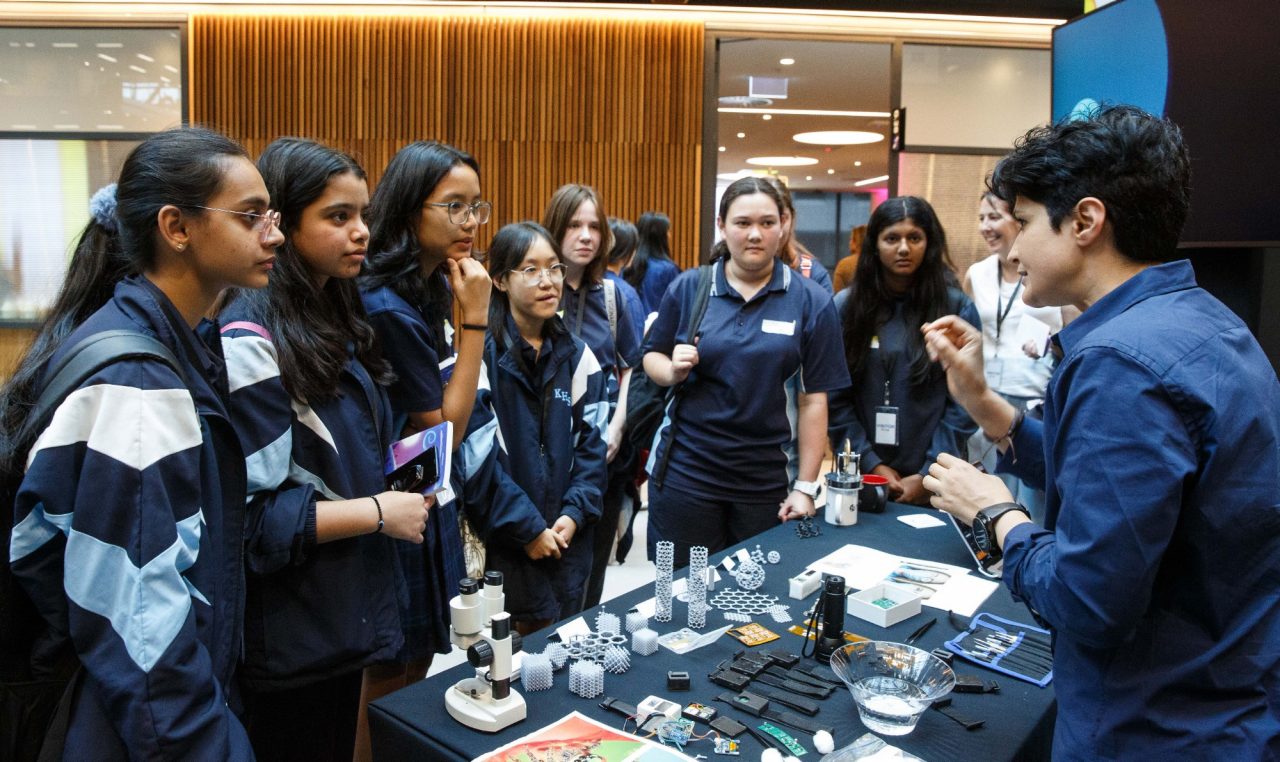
[(984, 527), (812, 489)]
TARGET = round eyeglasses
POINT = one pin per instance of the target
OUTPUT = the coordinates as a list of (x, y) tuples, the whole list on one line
[(533, 275), (263, 223), (459, 211)]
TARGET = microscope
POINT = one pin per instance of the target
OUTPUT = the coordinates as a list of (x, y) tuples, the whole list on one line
[(843, 486), (484, 702)]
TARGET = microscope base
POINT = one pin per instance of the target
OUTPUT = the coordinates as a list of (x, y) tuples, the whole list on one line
[(470, 701)]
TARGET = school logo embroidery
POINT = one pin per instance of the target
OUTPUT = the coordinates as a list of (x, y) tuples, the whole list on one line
[(563, 396)]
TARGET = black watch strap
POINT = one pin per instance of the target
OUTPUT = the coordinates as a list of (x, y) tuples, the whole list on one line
[(798, 703), (803, 689), (804, 678), (944, 707), (758, 706)]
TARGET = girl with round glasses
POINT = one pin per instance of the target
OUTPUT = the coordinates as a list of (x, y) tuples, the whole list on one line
[(129, 522), (595, 311), (545, 410), (898, 414), (424, 217), (725, 477), (309, 403)]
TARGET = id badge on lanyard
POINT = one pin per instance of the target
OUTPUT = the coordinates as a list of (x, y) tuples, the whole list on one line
[(886, 422)]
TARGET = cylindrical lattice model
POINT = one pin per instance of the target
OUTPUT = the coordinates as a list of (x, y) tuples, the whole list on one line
[(666, 556), (636, 621), (557, 653), (644, 642), (607, 624), (586, 679), (697, 587), (535, 672), (616, 660)]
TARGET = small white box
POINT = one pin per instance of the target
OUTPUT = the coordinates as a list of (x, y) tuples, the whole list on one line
[(805, 584), (869, 605)]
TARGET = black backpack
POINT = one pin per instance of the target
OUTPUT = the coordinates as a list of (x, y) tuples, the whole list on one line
[(36, 662), (647, 402)]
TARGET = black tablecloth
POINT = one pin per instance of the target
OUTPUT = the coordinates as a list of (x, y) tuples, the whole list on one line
[(413, 724)]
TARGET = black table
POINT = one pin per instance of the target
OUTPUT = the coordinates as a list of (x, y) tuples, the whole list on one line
[(413, 724)]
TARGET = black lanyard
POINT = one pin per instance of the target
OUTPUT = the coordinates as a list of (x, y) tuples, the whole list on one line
[(582, 304), (1001, 314)]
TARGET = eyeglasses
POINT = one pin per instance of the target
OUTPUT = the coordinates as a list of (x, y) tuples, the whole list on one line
[(458, 211), (263, 223), (533, 275)]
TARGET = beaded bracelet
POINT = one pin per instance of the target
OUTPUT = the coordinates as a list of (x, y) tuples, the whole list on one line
[(377, 505)]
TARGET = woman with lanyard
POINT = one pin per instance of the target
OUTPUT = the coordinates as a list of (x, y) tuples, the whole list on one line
[(594, 310), (1014, 336), (725, 477), (898, 415)]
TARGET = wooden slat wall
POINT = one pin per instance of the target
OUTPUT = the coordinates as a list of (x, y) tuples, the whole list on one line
[(614, 104)]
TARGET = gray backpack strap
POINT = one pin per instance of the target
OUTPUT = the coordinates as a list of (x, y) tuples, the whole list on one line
[(611, 307)]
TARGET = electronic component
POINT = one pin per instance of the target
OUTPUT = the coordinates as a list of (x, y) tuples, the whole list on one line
[(753, 635), (730, 679), (729, 726), (657, 705), (677, 680), (804, 584), (727, 747), (783, 658), (758, 706), (700, 712), (972, 684)]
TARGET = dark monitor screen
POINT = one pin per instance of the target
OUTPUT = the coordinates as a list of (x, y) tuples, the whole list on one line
[(1208, 66)]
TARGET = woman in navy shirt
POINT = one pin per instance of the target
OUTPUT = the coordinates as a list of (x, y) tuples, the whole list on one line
[(725, 477), (308, 402), (595, 311), (651, 270), (898, 414)]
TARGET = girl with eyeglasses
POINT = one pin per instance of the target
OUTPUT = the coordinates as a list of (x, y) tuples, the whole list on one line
[(308, 400), (542, 415), (898, 414), (129, 522), (595, 311), (423, 220), (725, 475)]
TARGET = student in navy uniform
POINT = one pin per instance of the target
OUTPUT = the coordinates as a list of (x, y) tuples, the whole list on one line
[(423, 219), (898, 414), (546, 392), (794, 253), (140, 468), (651, 270), (595, 311), (620, 256), (726, 477), (307, 399)]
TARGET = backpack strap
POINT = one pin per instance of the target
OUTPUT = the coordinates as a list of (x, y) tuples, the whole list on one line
[(611, 307), (91, 355), (806, 265), (245, 325), (701, 298)]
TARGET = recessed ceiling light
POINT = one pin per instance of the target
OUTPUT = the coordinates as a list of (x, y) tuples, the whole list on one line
[(722, 149), (782, 161), (786, 61), (838, 137), (831, 171), (808, 177), (857, 164), (742, 134), (767, 117), (872, 180)]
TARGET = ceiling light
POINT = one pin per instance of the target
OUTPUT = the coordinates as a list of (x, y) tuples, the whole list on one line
[(722, 149), (138, 69), (808, 177), (802, 112), (857, 164), (871, 180), (786, 61), (767, 117), (106, 57), (742, 134), (781, 161), (831, 171), (838, 137)]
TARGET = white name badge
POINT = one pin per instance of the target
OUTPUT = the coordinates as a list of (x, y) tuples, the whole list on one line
[(780, 327), (887, 425)]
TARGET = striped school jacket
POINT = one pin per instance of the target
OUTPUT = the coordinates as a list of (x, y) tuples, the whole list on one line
[(313, 611), (129, 536), (547, 433)]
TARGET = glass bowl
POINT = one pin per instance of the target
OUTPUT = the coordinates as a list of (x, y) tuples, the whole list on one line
[(892, 683)]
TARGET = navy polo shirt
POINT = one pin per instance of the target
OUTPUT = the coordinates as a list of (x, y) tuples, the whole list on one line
[(591, 324), (733, 418)]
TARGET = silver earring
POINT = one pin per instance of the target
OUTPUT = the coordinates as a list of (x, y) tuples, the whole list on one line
[(181, 246)]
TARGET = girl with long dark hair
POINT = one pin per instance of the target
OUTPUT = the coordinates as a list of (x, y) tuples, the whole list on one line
[(423, 220), (546, 394), (898, 414), (595, 311), (308, 399), (651, 270), (130, 519), (726, 474)]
